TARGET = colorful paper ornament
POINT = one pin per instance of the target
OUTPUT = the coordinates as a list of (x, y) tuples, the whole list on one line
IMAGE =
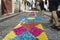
[(29, 28), (25, 36)]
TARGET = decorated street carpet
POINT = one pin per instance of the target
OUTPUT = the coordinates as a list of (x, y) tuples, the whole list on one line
[(29, 28)]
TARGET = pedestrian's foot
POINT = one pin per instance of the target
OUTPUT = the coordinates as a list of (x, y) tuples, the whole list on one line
[(57, 26)]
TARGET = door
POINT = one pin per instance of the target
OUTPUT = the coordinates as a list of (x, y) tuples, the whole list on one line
[(6, 6)]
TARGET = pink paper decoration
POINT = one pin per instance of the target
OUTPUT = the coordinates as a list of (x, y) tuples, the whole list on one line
[(36, 31), (19, 31)]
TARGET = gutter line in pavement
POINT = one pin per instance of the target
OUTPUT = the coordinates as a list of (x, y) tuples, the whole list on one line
[(7, 17)]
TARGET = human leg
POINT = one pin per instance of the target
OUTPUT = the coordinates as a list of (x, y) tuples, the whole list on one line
[(55, 18), (53, 8), (42, 8)]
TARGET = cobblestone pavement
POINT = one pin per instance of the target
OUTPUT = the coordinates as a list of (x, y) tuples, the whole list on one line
[(7, 25)]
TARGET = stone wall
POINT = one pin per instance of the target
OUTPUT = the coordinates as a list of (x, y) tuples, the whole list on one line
[(15, 6)]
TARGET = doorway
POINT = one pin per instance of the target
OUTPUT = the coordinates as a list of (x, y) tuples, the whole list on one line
[(6, 6)]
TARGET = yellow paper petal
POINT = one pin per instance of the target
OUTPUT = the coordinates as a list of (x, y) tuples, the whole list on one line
[(30, 18), (42, 36), (19, 25), (40, 26), (9, 36)]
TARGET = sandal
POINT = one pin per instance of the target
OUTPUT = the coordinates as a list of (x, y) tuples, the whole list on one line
[(56, 27)]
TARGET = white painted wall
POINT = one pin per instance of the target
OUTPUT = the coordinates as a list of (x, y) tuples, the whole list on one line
[(13, 5), (22, 7)]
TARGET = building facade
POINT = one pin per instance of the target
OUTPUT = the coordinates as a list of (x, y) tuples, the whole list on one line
[(0, 7), (8, 6)]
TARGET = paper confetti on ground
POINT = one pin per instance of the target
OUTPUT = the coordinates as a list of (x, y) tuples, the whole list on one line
[(30, 30)]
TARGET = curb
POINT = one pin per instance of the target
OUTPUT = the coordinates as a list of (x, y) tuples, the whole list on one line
[(7, 17), (47, 14)]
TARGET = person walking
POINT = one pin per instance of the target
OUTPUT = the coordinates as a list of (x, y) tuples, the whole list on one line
[(53, 6), (41, 5)]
